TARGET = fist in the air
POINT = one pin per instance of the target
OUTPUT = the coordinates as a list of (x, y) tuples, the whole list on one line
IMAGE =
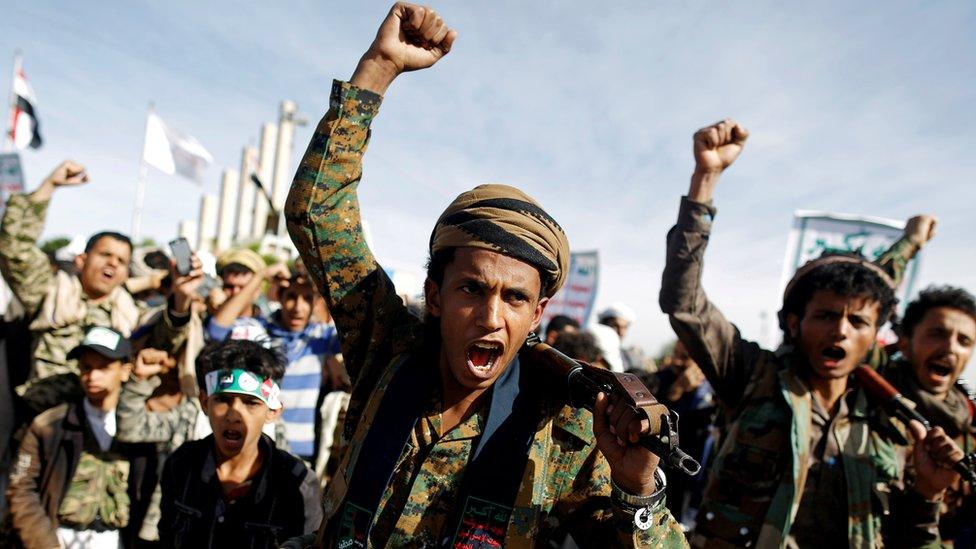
[(717, 146), (411, 37), (920, 229), (66, 174)]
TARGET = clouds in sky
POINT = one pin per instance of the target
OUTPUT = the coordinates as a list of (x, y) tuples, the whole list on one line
[(859, 108)]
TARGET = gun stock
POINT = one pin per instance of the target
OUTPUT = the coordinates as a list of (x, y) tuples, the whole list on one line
[(584, 382)]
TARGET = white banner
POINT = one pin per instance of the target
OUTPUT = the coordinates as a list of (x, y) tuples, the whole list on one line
[(172, 152), (578, 294), (814, 233)]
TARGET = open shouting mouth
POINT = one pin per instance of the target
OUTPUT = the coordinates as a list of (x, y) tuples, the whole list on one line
[(940, 371), (482, 357), (233, 438), (833, 355)]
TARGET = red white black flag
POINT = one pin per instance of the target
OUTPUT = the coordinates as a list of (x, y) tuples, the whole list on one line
[(24, 128)]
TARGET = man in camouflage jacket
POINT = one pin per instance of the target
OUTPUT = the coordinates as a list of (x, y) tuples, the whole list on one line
[(60, 306), (72, 479), (936, 338), (566, 480), (799, 434)]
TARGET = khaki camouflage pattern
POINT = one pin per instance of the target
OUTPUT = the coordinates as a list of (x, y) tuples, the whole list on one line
[(98, 490), (26, 269), (567, 483), (755, 484)]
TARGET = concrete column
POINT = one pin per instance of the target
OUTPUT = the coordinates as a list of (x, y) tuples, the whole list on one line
[(245, 193), (283, 150), (188, 230), (228, 207), (207, 223), (269, 135)]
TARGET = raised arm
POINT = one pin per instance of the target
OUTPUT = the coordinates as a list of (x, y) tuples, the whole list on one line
[(918, 231), (322, 210), (711, 340), (24, 266), (135, 422)]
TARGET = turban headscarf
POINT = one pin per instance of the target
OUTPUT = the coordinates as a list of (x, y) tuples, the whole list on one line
[(504, 219)]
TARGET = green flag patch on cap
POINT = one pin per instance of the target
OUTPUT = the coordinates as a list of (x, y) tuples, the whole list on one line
[(243, 382)]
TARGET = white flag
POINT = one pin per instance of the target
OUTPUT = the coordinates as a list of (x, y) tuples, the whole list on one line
[(172, 152)]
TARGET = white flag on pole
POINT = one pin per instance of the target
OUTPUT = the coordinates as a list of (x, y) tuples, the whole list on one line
[(173, 153)]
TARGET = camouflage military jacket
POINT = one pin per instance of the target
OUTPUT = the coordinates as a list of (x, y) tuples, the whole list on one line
[(955, 414), (757, 479), (25, 268), (566, 486)]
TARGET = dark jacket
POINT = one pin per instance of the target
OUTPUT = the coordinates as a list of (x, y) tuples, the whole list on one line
[(284, 501), (45, 465)]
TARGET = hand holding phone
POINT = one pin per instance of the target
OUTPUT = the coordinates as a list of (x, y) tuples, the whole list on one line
[(183, 255)]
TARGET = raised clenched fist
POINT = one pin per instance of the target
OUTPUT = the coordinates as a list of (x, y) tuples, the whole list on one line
[(67, 173), (151, 362), (920, 229), (411, 37), (718, 145)]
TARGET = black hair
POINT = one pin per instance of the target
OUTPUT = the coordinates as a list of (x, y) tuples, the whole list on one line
[(848, 279), (578, 346), (558, 323), (156, 260), (440, 259), (234, 268), (242, 354), (932, 297), (107, 234)]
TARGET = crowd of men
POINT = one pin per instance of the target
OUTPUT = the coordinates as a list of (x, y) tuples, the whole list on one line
[(305, 405)]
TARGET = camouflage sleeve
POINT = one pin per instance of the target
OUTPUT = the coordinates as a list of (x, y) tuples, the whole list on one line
[(135, 422), (895, 259), (24, 265), (727, 360), (322, 212), (594, 521), (29, 517), (169, 332)]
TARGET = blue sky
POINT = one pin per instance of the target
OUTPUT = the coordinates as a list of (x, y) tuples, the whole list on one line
[(863, 108)]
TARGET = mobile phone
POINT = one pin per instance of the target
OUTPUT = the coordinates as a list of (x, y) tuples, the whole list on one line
[(182, 254)]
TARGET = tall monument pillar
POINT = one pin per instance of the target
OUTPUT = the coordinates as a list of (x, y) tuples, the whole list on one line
[(228, 206), (245, 193), (269, 135)]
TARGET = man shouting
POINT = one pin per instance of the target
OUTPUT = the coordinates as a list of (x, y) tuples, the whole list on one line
[(808, 461), (452, 440)]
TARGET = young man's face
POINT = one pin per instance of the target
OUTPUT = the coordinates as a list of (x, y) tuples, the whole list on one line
[(487, 304), (236, 420), (234, 282), (680, 359), (620, 326), (104, 267), (101, 377), (835, 332), (939, 348), (296, 306)]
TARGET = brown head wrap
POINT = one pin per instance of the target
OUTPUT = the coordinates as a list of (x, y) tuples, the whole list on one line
[(504, 219)]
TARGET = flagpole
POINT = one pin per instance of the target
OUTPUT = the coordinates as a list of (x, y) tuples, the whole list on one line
[(141, 185), (8, 142)]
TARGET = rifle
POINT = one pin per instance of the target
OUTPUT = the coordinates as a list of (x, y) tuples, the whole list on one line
[(898, 406), (585, 381)]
